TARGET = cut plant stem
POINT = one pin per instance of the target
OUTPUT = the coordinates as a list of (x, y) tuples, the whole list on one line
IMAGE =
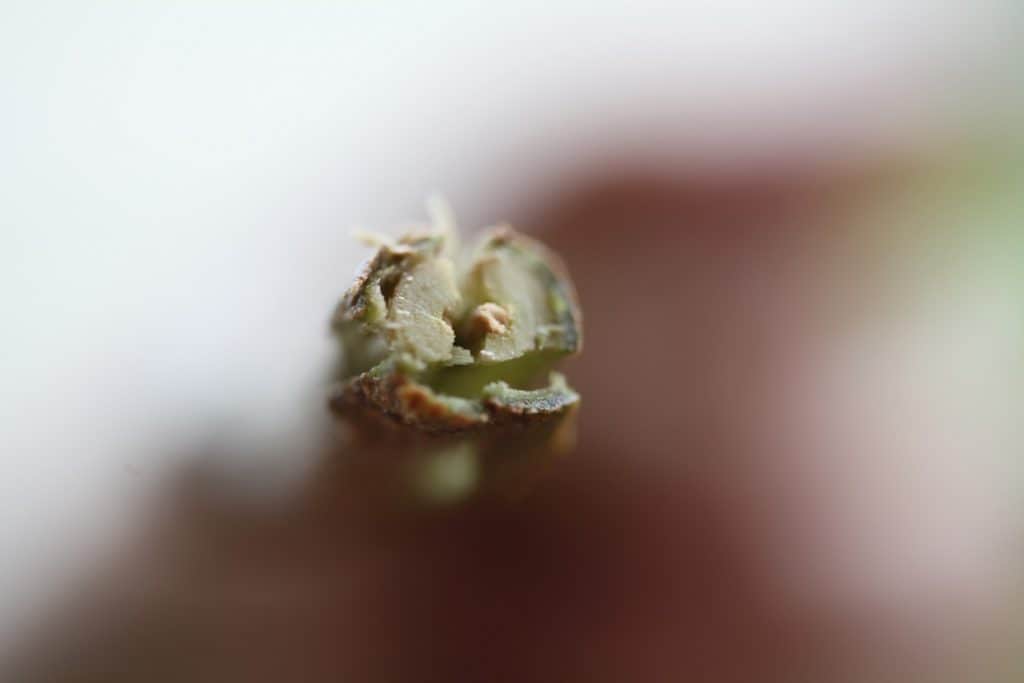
[(447, 348)]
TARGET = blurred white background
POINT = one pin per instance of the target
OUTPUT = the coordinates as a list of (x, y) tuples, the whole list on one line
[(178, 182)]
